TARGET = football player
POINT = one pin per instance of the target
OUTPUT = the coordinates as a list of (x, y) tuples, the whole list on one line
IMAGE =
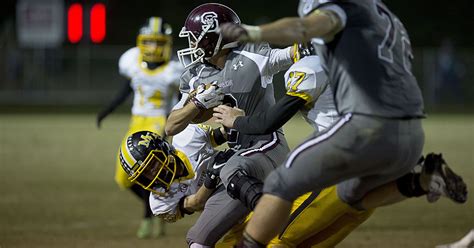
[(175, 174), (153, 78), (243, 71), (365, 50), (323, 220)]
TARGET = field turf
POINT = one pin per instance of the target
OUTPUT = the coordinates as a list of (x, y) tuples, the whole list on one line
[(57, 188)]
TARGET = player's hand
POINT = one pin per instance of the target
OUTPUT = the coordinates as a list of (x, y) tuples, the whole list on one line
[(234, 32), (208, 98), (226, 115), (171, 216), (215, 166)]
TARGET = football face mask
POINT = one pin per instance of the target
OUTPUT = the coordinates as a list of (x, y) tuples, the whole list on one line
[(149, 161), (154, 40), (154, 48), (156, 173)]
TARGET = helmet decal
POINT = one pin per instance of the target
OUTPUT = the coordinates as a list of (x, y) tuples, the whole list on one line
[(201, 28), (210, 22), (147, 160), (146, 139)]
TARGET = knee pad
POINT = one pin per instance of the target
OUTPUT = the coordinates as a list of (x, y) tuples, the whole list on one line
[(409, 185), (245, 188)]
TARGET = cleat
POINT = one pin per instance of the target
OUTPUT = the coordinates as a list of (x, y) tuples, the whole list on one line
[(144, 231), (442, 180), (159, 227)]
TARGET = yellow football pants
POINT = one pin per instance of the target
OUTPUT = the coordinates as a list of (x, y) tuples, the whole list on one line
[(138, 123), (318, 219)]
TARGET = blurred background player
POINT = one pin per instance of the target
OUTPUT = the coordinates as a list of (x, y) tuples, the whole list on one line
[(153, 78)]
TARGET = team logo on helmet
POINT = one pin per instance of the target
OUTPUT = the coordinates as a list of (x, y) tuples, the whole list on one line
[(145, 139), (209, 21)]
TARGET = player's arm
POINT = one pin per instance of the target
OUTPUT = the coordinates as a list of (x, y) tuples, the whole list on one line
[(263, 122), (179, 119), (205, 97), (281, 59), (195, 202), (322, 23), (122, 95)]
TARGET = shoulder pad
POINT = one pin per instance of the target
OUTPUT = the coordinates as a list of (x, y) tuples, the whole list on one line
[(306, 79), (127, 61), (186, 83), (262, 48)]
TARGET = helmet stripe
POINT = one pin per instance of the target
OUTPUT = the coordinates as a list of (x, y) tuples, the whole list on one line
[(127, 156), (156, 25)]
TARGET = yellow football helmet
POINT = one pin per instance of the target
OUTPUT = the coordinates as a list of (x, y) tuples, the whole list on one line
[(149, 161), (155, 41)]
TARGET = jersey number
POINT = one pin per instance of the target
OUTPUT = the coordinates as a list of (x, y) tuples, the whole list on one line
[(393, 30), (156, 99)]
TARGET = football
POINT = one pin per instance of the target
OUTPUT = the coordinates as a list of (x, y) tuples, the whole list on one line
[(205, 114)]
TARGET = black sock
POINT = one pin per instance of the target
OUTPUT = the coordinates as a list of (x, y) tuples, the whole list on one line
[(248, 242), (409, 185), (144, 196)]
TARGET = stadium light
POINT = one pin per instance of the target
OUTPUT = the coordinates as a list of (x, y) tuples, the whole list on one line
[(74, 23), (97, 22)]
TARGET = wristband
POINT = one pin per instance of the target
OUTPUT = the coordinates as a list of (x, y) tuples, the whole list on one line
[(218, 137), (182, 209), (254, 32)]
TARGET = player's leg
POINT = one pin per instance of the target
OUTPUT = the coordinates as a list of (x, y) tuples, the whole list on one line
[(145, 230), (155, 124), (300, 167), (220, 214), (319, 219), (408, 141), (435, 179), (244, 172), (355, 146)]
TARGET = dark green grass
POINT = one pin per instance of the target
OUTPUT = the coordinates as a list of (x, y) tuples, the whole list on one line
[(57, 188)]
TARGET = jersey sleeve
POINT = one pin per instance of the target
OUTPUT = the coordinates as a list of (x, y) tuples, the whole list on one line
[(126, 62), (306, 79), (166, 204), (190, 78), (269, 61), (279, 59)]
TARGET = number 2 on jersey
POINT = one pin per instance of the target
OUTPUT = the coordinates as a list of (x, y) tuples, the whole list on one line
[(394, 31)]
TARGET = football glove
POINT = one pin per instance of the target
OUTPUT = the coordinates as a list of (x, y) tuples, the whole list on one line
[(215, 166), (208, 97), (171, 216)]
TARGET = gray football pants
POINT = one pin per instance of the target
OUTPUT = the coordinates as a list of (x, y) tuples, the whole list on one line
[(221, 212), (358, 153)]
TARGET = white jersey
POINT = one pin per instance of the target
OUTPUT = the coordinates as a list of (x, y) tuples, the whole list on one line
[(194, 142), (307, 80), (151, 87)]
